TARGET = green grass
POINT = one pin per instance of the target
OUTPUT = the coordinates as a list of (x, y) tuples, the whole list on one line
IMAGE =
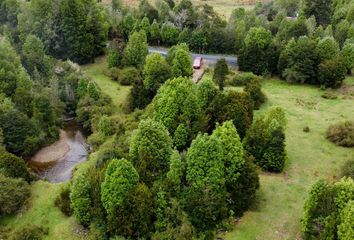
[(310, 157), (118, 93), (42, 212)]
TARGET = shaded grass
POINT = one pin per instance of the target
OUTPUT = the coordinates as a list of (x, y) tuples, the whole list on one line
[(42, 212), (310, 157)]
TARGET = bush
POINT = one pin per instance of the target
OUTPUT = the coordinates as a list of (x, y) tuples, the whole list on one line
[(329, 95), (342, 134), (80, 196), (254, 89), (128, 76), (331, 73), (13, 194), (242, 79), (265, 140), (13, 166), (348, 169), (30, 232), (63, 201)]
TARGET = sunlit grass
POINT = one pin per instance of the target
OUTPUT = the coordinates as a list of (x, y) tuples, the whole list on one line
[(310, 157)]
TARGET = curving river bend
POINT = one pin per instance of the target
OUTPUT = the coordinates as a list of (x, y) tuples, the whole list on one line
[(56, 162)]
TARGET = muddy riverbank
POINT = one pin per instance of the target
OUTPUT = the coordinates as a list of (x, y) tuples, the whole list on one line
[(56, 162)]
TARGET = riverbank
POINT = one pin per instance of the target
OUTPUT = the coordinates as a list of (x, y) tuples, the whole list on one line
[(53, 152)]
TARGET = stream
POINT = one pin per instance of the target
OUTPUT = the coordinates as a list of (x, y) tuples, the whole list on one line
[(56, 162)]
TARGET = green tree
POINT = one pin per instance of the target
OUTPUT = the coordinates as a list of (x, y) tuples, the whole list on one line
[(136, 50), (254, 57), (346, 229), (265, 140), (177, 103), (220, 72), (254, 89), (156, 72), (327, 48), (298, 61), (80, 196), (172, 52), (233, 155), (121, 178), (13, 194), (169, 33), (34, 56), (348, 55), (176, 171), (321, 9), (145, 26), (150, 150), (155, 34), (13, 166), (331, 73), (182, 64)]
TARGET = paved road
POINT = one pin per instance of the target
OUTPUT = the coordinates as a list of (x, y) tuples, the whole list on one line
[(209, 59)]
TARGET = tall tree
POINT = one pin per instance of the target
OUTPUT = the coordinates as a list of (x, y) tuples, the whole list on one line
[(220, 72), (150, 150), (182, 64), (136, 50), (321, 9), (156, 72)]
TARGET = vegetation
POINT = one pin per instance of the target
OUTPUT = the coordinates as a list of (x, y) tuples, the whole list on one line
[(341, 134), (172, 159)]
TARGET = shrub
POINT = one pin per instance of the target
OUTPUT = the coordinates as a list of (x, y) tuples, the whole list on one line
[(331, 73), (63, 201), (265, 140), (113, 59), (13, 194), (242, 79), (327, 203), (129, 76), (306, 129), (342, 134), (13, 166), (329, 95), (254, 89), (348, 169), (346, 227), (80, 196)]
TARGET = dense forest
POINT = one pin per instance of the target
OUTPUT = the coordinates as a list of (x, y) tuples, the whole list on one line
[(178, 160)]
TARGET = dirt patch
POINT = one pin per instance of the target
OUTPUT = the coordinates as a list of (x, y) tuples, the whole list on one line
[(198, 74), (53, 152)]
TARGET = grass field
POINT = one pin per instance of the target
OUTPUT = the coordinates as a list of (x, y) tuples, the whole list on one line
[(43, 213), (310, 157)]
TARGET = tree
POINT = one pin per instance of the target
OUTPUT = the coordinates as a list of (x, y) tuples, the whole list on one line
[(150, 150), (348, 55), (254, 89), (13, 166), (34, 56), (327, 48), (298, 61), (136, 50), (156, 72), (232, 149), (145, 26), (13, 194), (254, 56), (182, 64), (172, 52), (326, 208), (321, 9), (177, 103), (265, 140), (120, 178), (331, 73), (205, 197), (169, 33), (346, 229), (155, 34), (80, 196), (220, 72)]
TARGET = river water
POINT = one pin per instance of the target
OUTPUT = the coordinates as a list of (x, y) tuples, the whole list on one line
[(61, 169)]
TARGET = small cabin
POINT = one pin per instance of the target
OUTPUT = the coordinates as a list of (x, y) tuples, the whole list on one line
[(197, 64)]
